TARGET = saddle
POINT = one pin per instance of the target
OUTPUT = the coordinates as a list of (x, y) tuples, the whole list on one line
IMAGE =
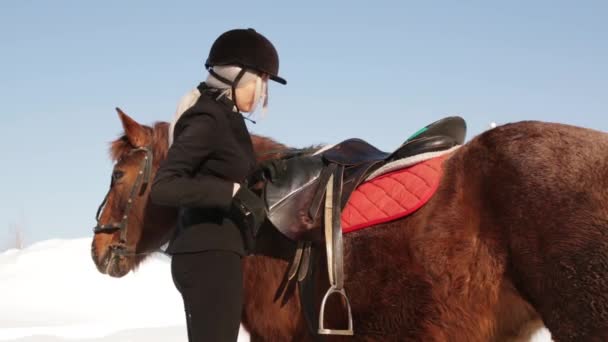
[(326, 180), (296, 198)]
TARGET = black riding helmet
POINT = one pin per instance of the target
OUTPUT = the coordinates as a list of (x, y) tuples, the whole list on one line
[(248, 49)]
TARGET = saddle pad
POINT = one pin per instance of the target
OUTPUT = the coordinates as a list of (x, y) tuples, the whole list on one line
[(392, 195)]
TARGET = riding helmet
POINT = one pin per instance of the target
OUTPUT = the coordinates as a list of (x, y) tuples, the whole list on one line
[(246, 48)]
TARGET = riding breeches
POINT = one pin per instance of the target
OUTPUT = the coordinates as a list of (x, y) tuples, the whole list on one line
[(211, 284)]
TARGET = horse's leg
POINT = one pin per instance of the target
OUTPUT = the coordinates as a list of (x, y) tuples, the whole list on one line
[(527, 333), (569, 287)]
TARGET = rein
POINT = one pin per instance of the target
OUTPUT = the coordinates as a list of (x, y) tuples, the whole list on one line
[(141, 183)]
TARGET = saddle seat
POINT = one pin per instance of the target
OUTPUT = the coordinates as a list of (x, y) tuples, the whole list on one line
[(437, 136), (359, 158)]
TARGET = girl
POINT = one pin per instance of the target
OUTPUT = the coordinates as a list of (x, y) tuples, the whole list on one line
[(210, 157)]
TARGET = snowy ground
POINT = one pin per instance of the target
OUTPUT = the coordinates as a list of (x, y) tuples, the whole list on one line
[(52, 292)]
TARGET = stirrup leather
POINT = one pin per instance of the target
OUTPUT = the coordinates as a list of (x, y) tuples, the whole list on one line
[(335, 252)]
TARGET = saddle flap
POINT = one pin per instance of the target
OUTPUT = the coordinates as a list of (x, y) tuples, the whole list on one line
[(288, 198)]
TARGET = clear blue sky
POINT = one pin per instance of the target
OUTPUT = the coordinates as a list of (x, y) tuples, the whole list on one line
[(378, 70)]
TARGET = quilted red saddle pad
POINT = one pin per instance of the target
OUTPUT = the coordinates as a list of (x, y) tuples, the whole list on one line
[(393, 195)]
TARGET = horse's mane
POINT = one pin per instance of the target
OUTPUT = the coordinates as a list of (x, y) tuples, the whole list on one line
[(275, 149), (120, 147)]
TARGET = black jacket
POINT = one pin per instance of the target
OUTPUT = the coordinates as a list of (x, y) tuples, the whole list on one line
[(211, 151)]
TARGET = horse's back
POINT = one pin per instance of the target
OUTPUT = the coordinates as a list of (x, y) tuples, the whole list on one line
[(535, 169), (537, 172)]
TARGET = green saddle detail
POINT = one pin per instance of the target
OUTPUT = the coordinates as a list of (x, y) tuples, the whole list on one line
[(452, 126), (420, 131)]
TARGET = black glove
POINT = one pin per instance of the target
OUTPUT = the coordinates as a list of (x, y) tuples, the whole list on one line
[(268, 170), (249, 209), (274, 168)]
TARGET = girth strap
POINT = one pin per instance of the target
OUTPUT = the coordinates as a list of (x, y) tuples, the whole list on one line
[(306, 288), (301, 261), (306, 262), (297, 261)]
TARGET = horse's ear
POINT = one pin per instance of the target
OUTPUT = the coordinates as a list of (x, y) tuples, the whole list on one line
[(135, 132)]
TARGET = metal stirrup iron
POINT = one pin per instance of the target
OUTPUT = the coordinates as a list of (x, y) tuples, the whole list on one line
[(335, 252)]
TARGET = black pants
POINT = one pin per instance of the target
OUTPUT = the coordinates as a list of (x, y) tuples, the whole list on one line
[(211, 284)]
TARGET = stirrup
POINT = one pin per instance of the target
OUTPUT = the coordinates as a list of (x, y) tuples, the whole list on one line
[(335, 252), (325, 331)]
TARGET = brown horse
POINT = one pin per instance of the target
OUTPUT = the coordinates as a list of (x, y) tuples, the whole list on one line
[(522, 231)]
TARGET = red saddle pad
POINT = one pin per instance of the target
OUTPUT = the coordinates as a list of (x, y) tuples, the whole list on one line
[(392, 195)]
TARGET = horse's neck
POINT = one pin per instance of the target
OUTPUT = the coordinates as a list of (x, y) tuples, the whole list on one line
[(159, 224)]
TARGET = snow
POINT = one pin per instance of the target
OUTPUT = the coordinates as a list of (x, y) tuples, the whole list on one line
[(542, 335), (52, 292)]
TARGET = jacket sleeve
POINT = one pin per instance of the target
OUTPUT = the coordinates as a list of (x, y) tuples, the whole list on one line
[(177, 183)]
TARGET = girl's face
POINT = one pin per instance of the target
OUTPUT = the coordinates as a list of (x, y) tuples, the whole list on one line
[(245, 94)]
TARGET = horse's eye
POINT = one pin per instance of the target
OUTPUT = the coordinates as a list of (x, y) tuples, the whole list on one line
[(117, 174)]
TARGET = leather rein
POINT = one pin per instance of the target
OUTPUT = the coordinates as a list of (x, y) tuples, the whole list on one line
[(141, 184)]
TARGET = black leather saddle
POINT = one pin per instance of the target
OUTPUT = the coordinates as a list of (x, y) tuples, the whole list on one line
[(298, 193)]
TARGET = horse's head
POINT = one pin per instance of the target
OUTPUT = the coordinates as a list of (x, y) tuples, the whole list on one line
[(121, 242)]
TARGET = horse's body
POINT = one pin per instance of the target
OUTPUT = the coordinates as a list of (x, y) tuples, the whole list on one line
[(518, 228)]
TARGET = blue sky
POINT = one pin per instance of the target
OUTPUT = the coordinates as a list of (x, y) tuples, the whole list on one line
[(378, 70)]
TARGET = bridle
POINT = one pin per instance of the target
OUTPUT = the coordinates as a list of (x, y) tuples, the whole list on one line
[(141, 183)]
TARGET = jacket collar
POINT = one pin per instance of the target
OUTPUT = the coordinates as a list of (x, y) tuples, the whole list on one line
[(216, 95)]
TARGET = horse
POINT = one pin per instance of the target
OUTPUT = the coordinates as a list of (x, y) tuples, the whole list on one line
[(515, 236)]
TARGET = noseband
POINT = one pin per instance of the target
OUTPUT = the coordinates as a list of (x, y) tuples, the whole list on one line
[(142, 182)]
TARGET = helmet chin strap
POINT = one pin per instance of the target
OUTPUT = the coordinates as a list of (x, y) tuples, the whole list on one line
[(233, 85)]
